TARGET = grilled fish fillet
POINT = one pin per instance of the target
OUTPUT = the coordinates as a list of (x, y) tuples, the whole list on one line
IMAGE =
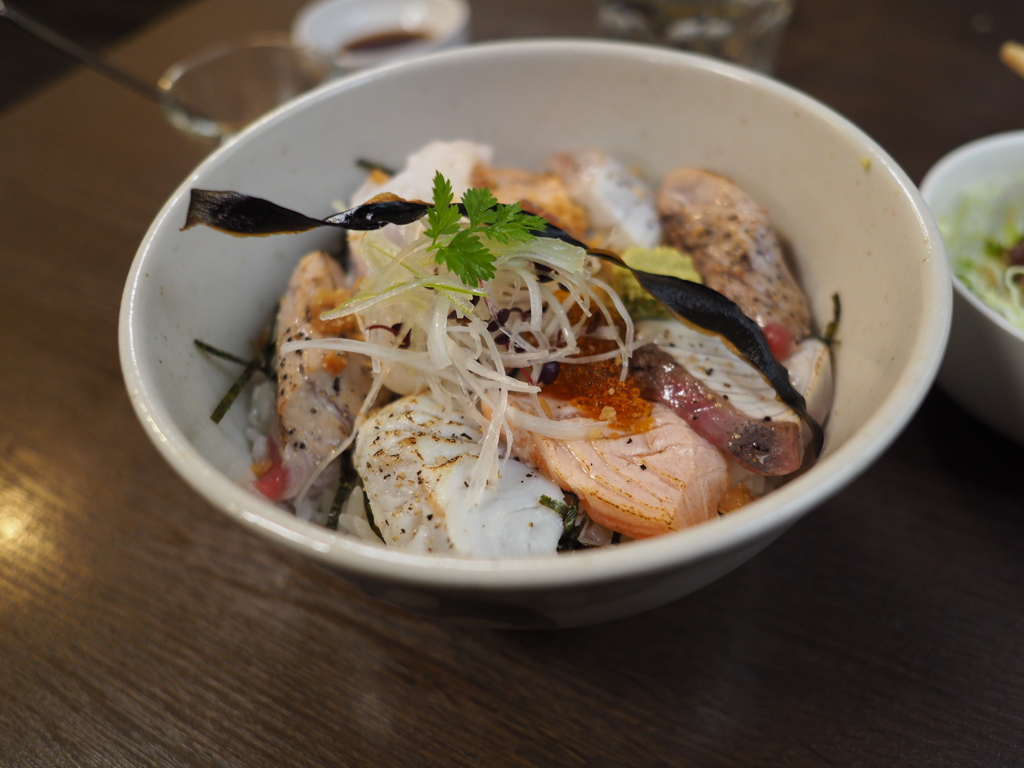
[(735, 250), (318, 393), (726, 400)]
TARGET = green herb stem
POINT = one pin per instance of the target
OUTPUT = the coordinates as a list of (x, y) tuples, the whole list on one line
[(830, 330)]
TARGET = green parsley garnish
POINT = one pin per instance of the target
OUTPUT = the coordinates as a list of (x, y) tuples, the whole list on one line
[(460, 248)]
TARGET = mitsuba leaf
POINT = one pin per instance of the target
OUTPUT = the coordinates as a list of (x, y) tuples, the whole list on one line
[(467, 257), (443, 218), (478, 203)]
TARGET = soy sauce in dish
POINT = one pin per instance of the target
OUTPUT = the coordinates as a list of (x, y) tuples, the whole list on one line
[(381, 40)]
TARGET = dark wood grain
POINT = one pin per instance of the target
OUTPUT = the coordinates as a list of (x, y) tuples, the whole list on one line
[(26, 63), (138, 626)]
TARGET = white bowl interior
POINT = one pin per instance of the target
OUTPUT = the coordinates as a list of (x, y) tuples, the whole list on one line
[(855, 224)]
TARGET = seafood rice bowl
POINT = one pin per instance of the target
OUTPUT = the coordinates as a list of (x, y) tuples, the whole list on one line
[(516, 365)]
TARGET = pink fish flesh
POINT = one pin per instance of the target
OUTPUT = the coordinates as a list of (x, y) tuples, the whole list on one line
[(763, 446)]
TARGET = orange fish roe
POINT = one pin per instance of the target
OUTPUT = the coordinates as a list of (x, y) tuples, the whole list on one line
[(735, 498), (260, 468), (325, 301), (595, 389), (335, 363)]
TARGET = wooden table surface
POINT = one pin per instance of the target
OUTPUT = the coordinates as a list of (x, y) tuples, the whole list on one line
[(139, 626)]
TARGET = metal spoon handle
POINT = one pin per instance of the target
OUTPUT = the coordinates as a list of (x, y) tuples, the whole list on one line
[(75, 51)]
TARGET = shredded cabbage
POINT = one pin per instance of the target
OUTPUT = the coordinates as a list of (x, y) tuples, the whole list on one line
[(988, 220)]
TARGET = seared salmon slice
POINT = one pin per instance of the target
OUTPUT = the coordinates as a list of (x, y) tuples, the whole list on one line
[(542, 194), (640, 485)]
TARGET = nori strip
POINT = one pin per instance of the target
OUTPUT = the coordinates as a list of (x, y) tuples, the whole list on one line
[(210, 349), (248, 216), (262, 362), (830, 330), (569, 511), (256, 364), (346, 484), (239, 214), (369, 517), (379, 214), (370, 165)]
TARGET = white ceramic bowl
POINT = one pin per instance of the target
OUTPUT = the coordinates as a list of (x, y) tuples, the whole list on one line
[(856, 224), (983, 369), (330, 26)]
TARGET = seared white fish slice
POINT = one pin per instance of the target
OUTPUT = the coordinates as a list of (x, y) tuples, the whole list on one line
[(318, 393), (416, 461), (735, 250), (619, 204), (640, 485)]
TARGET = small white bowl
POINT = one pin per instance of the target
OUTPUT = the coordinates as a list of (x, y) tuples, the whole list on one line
[(331, 26), (856, 223), (983, 369)]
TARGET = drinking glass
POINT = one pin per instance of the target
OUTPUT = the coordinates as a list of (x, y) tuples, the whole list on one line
[(219, 91), (746, 32)]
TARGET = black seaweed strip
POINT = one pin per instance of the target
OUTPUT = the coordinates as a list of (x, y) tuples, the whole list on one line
[(346, 484), (212, 350), (262, 362), (247, 216), (830, 330), (377, 215), (236, 389), (369, 517), (239, 214)]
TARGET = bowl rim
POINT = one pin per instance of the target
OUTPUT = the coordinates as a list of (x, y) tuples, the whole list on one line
[(739, 529), (934, 180)]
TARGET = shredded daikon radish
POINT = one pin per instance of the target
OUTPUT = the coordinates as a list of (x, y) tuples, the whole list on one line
[(465, 343)]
